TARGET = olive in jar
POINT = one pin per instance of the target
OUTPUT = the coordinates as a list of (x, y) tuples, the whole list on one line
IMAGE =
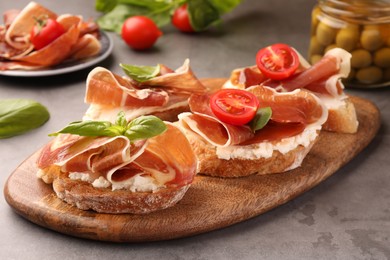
[(348, 38), (369, 75), (325, 34), (361, 58), (382, 58), (371, 38)]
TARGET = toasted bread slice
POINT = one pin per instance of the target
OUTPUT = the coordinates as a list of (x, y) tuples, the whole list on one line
[(104, 200), (342, 119), (210, 164)]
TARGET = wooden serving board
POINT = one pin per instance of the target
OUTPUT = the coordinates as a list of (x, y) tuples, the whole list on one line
[(210, 203)]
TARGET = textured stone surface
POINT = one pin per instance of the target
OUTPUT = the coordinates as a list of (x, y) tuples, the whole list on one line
[(345, 217)]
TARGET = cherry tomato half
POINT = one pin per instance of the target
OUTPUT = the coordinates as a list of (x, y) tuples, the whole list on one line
[(44, 32), (140, 32), (181, 19), (234, 106), (278, 61)]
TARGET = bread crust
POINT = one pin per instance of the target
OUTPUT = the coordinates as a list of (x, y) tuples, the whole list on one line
[(210, 164), (104, 200), (343, 119)]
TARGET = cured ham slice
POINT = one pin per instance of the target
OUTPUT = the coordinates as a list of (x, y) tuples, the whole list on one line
[(321, 78), (50, 55), (108, 93), (107, 88), (79, 41), (292, 112), (117, 160), (181, 80), (21, 26)]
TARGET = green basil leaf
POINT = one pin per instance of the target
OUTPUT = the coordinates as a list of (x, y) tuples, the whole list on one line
[(140, 73), (113, 20), (20, 115), (105, 5), (121, 119), (263, 115), (225, 6), (145, 127), (202, 14), (87, 128)]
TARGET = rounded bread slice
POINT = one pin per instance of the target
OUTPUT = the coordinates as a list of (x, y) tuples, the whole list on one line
[(104, 200), (210, 164)]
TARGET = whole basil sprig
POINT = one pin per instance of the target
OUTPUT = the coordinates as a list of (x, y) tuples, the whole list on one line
[(202, 13), (142, 127)]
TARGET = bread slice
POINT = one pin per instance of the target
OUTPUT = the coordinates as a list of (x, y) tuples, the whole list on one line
[(210, 164), (104, 200), (343, 119)]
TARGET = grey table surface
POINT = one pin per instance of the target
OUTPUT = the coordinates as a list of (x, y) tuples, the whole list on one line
[(345, 217)]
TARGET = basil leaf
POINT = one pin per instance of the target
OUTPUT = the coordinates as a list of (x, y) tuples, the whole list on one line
[(225, 6), (113, 20), (105, 5), (145, 127), (202, 14), (87, 128), (140, 73), (263, 115), (20, 115), (121, 119)]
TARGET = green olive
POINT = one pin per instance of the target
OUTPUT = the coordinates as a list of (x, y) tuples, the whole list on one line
[(329, 47), (386, 74), (351, 75), (361, 58), (369, 75), (314, 19), (315, 58), (347, 38), (315, 47), (325, 34), (371, 39), (382, 58)]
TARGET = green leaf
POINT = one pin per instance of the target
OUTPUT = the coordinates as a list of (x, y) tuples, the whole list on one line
[(202, 14), (263, 115), (87, 128), (121, 119), (140, 73), (105, 5), (145, 127), (225, 6), (20, 115), (113, 20)]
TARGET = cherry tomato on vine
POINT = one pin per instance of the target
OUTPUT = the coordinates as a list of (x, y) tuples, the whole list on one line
[(181, 19), (234, 106), (44, 32), (140, 32), (278, 61)]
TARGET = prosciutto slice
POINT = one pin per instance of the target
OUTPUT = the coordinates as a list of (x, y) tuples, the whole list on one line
[(292, 112), (78, 42), (323, 77), (117, 160), (107, 92)]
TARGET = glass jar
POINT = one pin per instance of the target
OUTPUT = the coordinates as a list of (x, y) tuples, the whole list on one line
[(361, 27)]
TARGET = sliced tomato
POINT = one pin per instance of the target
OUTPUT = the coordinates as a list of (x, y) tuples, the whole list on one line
[(234, 106), (278, 61)]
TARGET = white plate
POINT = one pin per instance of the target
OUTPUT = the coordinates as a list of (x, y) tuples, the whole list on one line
[(66, 67)]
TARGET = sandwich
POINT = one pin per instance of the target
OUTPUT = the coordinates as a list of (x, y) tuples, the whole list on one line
[(257, 130), (324, 79), (134, 167), (144, 90)]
